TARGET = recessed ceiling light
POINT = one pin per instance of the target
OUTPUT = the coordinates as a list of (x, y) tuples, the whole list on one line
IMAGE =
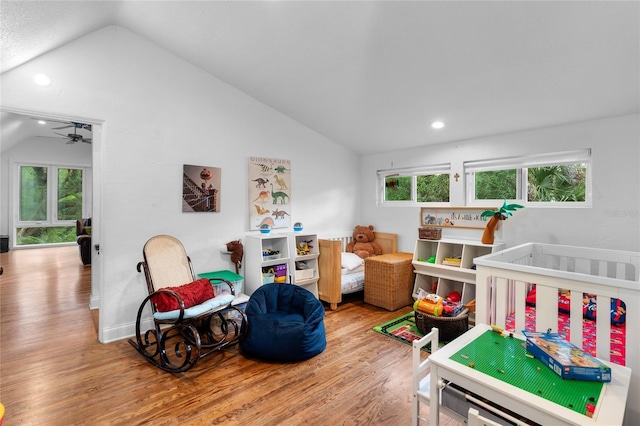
[(42, 122), (42, 80), (437, 124)]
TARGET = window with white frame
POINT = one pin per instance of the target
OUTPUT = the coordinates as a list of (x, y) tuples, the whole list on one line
[(49, 200), (425, 184), (550, 179)]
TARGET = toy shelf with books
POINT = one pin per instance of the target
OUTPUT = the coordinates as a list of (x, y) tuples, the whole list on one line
[(264, 253), (447, 265), (303, 265)]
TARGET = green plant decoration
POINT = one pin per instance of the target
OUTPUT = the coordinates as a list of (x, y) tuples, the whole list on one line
[(497, 215)]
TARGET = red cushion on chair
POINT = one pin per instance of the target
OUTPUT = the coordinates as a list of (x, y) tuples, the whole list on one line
[(192, 294)]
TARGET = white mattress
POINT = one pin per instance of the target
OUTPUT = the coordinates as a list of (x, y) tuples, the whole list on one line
[(353, 282)]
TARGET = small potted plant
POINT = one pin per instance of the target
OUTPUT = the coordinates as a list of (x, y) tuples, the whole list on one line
[(497, 215)]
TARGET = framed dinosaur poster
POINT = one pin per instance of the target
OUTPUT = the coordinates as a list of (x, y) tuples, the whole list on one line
[(200, 188), (269, 193)]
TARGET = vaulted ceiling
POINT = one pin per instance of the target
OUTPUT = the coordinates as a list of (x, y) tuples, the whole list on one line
[(372, 75)]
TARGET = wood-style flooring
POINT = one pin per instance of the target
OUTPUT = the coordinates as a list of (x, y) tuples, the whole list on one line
[(53, 370)]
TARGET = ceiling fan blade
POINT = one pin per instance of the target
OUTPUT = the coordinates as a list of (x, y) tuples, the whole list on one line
[(87, 140), (52, 137), (59, 128)]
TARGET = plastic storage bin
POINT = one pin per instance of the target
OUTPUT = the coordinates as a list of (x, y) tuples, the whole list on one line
[(236, 280)]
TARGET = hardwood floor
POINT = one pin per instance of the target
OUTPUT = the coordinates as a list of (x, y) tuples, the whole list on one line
[(53, 371)]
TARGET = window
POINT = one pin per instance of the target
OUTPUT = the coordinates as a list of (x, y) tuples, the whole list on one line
[(561, 178), (50, 199), (429, 184)]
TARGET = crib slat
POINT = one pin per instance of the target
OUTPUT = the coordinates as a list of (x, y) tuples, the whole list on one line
[(520, 307), (502, 293), (603, 327), (546, 308), (575, 318)]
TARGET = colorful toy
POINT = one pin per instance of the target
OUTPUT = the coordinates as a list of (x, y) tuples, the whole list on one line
[(430, 304)]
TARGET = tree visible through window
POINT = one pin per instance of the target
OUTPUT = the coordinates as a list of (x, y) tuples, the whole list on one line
[(422, 185), (549, 178), (47, 211)]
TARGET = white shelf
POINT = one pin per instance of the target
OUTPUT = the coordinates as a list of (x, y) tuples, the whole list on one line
[(254, 261), (443, 279), (310, 259), (286, 244)]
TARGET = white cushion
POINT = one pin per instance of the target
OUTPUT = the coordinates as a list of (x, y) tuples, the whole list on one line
[(196, 310), (351, 261)]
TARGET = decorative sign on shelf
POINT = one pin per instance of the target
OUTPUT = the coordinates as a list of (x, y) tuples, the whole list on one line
[(454, 217), (269, 193)]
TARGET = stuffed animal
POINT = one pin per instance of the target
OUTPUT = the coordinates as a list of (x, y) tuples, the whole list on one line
[(363, 243), (237, 252)]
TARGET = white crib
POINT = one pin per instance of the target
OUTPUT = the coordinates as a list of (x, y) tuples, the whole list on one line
[(503, 278)]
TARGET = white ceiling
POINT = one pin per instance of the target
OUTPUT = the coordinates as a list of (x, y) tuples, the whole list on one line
[(372, 75)]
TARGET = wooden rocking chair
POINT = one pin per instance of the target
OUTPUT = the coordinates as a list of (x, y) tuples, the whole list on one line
[(185, 320)]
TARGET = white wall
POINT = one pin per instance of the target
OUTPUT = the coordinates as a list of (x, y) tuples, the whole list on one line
[(160, 113), (612, 222)]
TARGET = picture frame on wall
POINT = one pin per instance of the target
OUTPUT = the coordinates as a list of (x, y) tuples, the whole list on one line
[(201, 188), (269, 193), (454, 217)]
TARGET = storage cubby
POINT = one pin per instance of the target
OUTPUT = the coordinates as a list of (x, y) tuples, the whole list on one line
[(449, 277), (304, 250), (262, 253)]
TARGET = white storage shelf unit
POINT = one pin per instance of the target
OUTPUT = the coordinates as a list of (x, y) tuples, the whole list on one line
[(254, 260), (306, 278), (448, 278)]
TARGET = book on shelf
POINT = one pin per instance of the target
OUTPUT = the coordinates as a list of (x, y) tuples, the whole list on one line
[(452, 261)]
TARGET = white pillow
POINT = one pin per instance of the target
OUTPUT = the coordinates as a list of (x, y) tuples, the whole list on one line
[(351, 261)]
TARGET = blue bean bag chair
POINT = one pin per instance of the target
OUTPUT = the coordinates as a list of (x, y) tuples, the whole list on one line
[(285, 324)]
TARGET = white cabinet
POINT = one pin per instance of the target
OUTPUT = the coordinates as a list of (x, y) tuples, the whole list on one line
[(292, 257), (451, 267), (263, 254), (303, 266)]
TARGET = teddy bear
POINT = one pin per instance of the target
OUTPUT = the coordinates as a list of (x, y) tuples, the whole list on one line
[(363, 243)]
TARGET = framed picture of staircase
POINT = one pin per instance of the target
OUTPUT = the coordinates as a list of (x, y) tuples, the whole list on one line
[(201, 188), (269, 193)]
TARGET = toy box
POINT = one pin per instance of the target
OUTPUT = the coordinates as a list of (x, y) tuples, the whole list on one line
[(564, 358)]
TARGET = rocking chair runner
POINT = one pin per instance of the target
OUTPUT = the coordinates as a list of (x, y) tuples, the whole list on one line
[(180, 333)]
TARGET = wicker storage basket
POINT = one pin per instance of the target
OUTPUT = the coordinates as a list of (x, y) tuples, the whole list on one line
[(388, 280), (448, 327), (429, 233)]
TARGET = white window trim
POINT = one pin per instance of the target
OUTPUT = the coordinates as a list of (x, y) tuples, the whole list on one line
[(521, 164), (413, 172), (52, 214)]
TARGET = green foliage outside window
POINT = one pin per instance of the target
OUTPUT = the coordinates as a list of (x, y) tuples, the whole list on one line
[(429, 188), (397, 188), (69, 194), (557, 183), (496, 185), (33, 193), (566, 183), (34, 196), (433, 188)]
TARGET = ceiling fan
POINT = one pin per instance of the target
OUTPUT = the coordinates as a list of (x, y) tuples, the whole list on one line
[(69, 124), (71, 137)]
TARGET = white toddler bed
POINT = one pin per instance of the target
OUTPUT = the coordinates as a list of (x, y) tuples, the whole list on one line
[(503, 279)]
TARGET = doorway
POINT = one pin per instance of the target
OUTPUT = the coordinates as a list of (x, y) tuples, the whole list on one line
[(23, 139)]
